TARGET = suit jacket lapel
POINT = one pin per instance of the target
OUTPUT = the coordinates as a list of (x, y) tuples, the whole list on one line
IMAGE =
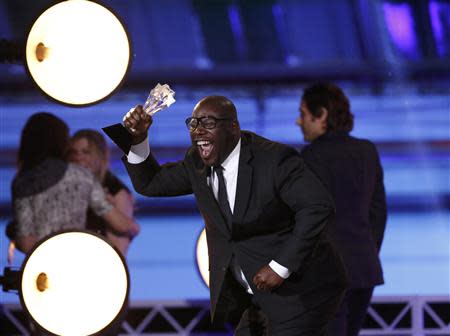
[(244, 182)]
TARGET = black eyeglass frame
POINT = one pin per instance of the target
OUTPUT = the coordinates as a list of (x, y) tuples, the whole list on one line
[(200, 122)]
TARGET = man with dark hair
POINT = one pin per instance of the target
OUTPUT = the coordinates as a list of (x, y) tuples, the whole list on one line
[(351, 171), (265, 215)]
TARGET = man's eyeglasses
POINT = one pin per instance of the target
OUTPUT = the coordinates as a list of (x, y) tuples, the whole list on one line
[(206, 122)]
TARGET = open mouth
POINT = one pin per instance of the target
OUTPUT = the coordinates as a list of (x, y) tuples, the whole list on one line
[(205, 148)]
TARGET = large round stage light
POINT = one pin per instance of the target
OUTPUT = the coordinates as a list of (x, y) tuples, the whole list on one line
[(202, 257), (77, 52), (74, 283)]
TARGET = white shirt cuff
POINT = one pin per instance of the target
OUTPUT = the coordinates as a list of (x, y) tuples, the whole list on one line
[(138, 153), (279, 269)]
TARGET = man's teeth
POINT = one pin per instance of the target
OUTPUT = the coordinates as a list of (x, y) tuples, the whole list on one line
[(203, 143)]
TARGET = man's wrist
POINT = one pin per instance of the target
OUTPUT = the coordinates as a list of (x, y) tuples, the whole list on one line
[(137, 139), (139, 152)]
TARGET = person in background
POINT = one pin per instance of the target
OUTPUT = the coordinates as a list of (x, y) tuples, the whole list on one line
[(351, 171), (49, 194), (89, 149)]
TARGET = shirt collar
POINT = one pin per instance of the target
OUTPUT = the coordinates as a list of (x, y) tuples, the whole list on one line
[(231, 163)]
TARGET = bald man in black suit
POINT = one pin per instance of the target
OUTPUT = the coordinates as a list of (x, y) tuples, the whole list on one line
[(265, 216)]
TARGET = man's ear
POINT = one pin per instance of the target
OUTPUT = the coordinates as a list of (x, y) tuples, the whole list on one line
[(235, 128), (323, 115)]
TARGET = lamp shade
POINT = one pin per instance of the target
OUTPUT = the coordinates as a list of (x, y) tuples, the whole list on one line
[(74, 283), (202, 257), (77, 52)]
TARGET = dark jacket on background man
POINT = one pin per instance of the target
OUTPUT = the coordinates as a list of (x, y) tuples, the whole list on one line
[(351, 171)]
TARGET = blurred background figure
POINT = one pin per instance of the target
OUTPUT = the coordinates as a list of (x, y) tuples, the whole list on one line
[(49, 194), (350, 169), (89, 149)]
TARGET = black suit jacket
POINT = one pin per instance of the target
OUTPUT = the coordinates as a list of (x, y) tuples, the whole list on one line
[(280, 213), (350, 169)]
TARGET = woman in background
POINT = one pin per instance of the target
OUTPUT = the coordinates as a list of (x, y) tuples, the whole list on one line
[(88, 148), (50, 194)]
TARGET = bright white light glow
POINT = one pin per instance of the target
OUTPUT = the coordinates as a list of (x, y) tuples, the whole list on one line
[(87, 284), (203, 257), (87, 55)]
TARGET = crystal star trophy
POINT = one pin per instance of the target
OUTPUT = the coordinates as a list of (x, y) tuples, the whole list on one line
[(160, 97)]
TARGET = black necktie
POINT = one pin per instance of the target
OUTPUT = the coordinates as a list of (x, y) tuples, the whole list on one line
[(223, 198)]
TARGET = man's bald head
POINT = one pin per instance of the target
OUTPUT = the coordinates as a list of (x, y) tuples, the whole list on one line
[(220, 104)]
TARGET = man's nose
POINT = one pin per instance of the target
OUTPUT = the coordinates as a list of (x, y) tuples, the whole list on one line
[(299, 121), (199, 129)]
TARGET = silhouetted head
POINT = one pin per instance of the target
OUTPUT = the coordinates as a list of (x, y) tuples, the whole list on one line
[(44, 136), (324, 107)]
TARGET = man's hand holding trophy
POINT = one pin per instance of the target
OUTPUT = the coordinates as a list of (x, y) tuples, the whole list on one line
[(139, 118)]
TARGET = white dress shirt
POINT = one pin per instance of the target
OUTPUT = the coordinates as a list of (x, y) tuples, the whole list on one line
[(138, 153)]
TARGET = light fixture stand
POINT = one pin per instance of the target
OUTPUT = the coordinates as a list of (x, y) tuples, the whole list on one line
[(10, 280)]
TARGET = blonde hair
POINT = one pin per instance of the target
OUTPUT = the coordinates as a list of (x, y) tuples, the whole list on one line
[(98, 142)]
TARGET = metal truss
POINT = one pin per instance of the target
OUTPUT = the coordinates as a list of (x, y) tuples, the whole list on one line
[(387, 316), (408, 315)]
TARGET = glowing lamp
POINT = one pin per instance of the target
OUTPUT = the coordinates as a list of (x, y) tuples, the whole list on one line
[(74, 283), (202, 257), (77, 52)]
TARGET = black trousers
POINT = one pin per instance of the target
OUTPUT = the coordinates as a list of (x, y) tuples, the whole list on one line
[(351, 313), (313, 322), (276, 315)]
